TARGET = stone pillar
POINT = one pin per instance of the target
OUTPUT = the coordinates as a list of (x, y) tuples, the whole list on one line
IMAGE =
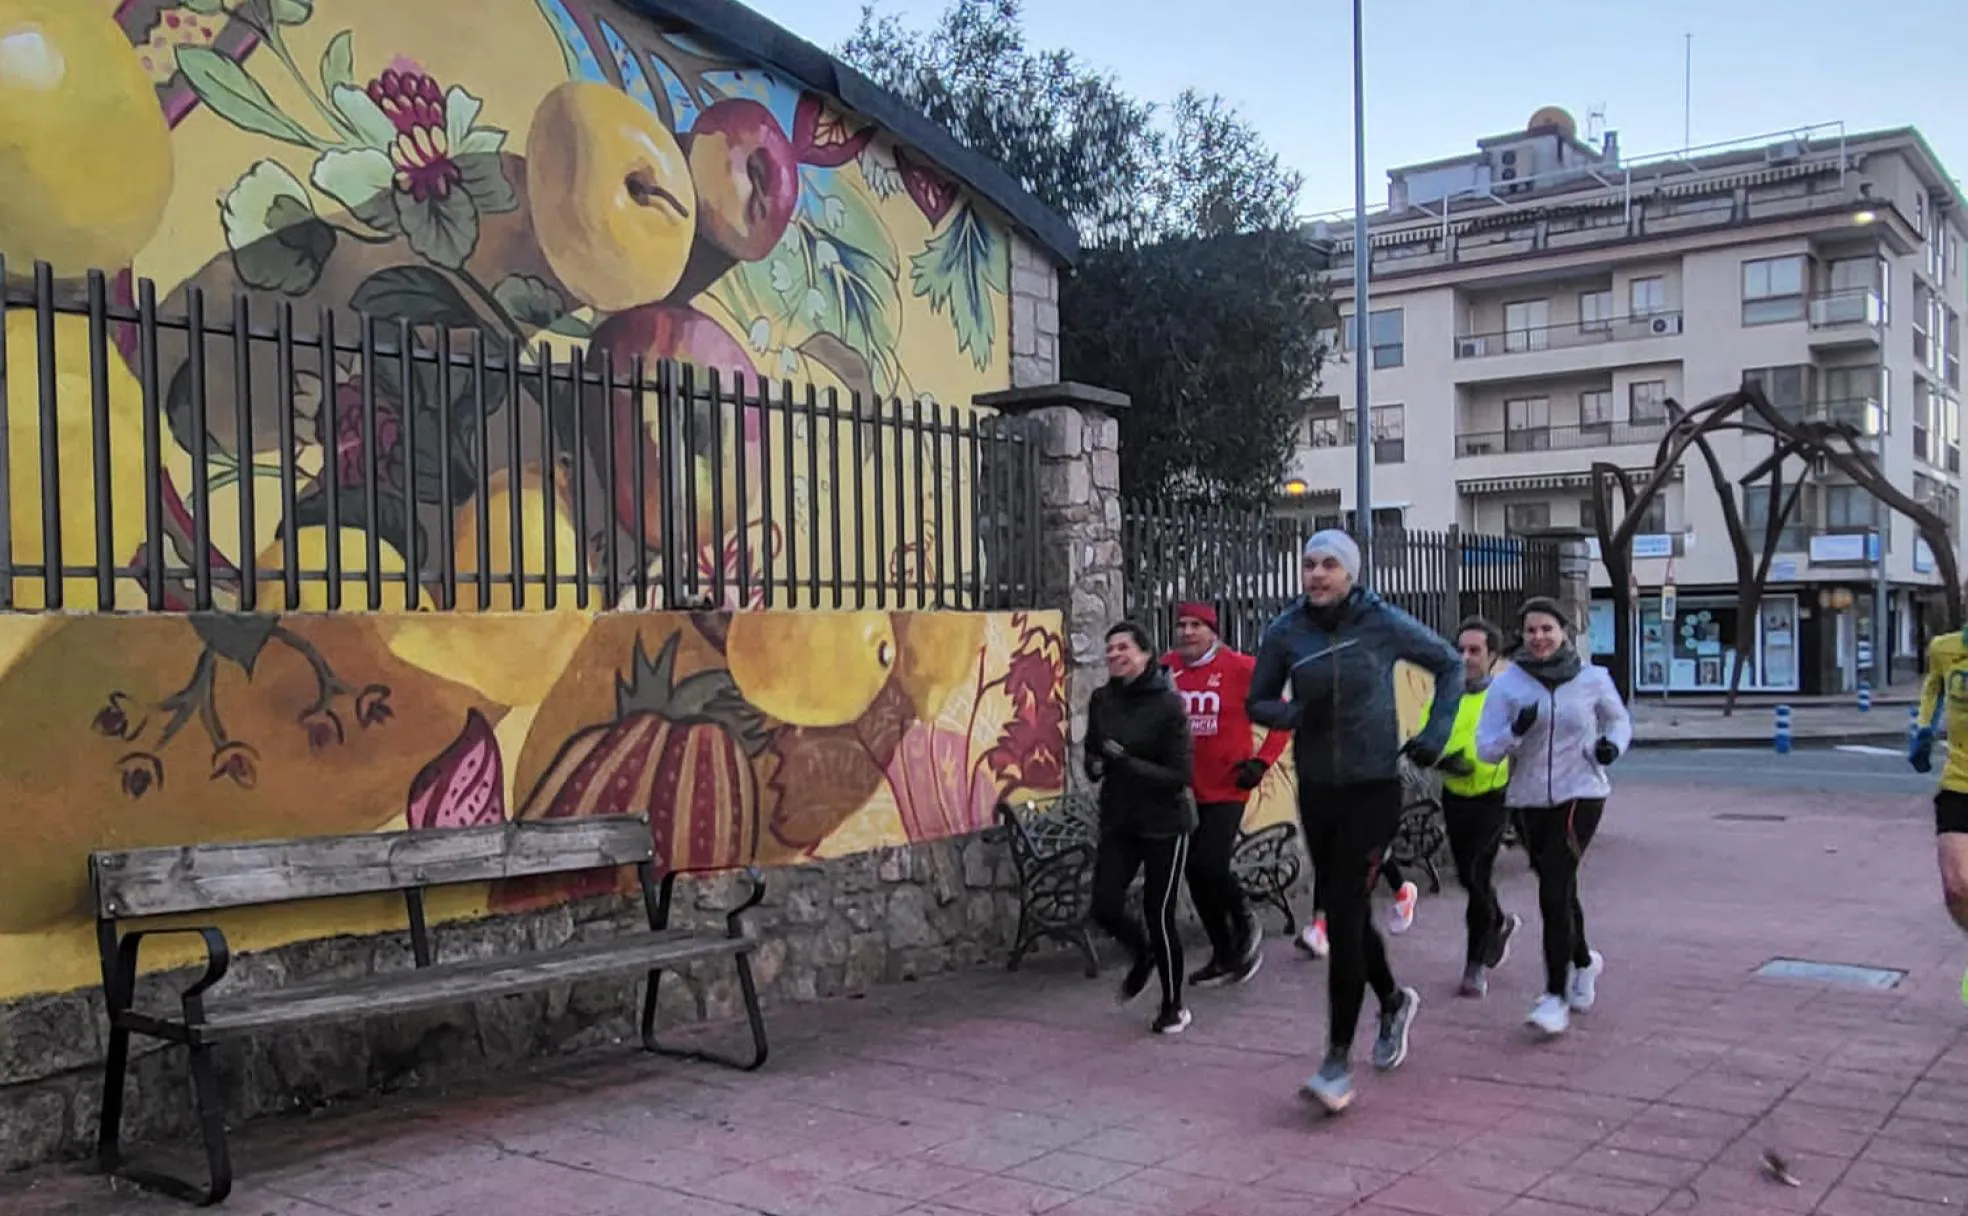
[(1574, 581), (1034, 315), (1079, 522)]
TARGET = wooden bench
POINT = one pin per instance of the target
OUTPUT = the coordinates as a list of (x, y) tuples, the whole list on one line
[(200, 879), (1053, 847)]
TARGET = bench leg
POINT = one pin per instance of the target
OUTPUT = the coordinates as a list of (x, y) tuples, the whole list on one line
[(754, 1015), (1084, 940), (1277, 900), (1022, 943), (210, 1106)]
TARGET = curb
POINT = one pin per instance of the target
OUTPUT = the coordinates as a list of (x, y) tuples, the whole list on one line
[(1763, 741)]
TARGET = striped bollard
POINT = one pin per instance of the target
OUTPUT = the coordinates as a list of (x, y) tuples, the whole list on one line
[(1783, 730), (1865, 697), (1913, 726)]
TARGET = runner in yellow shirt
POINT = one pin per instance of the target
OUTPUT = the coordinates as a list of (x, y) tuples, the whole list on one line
[(1947, 684)]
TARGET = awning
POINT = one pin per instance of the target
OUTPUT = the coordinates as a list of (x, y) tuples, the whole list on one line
[(1532, 482)]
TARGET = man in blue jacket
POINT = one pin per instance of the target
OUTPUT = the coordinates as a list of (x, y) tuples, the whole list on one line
[(1336, 650)]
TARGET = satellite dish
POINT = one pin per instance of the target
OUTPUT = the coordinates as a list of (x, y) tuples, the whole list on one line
[(1554, 118)]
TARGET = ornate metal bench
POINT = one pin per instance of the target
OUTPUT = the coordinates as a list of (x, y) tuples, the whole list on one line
[(138, 884), (1053, 850), (1423, 832)]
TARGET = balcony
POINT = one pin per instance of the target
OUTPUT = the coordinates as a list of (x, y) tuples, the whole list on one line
[(1846, 318), (1559, 438), (1862, 414), (1569, 334)]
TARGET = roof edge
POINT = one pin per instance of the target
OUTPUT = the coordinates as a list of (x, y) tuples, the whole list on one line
[(778, 48)]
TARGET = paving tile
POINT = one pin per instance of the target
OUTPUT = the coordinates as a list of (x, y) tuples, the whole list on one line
[(1005, 1196), (1597, 1194), (1071, 1171), (1433, 1197)]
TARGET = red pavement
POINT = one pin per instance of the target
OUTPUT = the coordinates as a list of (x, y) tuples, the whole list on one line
[(992, 1095)]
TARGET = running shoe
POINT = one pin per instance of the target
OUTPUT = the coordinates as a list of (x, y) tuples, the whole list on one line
[(1401, 917), (1332, 1086), (1210, 975), (1253, 956), (1312, 938), (1172, 1020), (1584, 989), (1391, 1044), (1550, 1015), (1475, 981), (1135, 982), (1501, 949)]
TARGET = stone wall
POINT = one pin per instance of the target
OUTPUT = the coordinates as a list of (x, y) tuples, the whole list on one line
[(825, 929), (1034, 315)]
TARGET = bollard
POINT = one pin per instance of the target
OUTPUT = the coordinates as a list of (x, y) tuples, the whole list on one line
[(1865, 697), (1783, 730), (1913, 726)]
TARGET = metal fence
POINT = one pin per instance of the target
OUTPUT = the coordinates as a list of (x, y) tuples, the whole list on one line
[(1247, 564), (264, 460)]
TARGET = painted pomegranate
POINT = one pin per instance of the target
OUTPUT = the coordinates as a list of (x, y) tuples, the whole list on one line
[(465, 786), (679, 752)]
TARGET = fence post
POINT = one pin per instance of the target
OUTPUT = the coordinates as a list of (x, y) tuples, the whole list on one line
[(1079, 524), (1574, 590)]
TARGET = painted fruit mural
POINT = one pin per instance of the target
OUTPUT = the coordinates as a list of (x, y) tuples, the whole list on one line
[(566, 179), (164, 730)]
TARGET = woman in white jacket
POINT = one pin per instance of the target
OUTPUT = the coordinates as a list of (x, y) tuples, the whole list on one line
[(1560, 722)]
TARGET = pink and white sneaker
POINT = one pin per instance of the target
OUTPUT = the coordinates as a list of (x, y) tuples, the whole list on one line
[(1401, 917), (1312, 938)]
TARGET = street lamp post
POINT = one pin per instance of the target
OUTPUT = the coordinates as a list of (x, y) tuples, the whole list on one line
[(1362, 325)]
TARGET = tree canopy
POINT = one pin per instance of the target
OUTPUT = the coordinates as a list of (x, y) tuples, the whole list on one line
[(1196, 294)]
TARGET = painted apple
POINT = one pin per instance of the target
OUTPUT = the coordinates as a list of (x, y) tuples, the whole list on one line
[(610, 194), (747, 177), (672, 331)]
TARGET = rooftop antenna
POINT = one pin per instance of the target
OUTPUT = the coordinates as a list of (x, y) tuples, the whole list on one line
[(1687, 91), (1595, 122)]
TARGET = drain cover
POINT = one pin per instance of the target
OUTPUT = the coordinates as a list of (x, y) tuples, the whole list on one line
[(1831, 973), (1751, 817)]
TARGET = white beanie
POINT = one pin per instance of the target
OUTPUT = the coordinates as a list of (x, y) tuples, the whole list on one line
[(1336, 544)]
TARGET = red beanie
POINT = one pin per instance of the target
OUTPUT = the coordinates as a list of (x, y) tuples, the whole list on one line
[(1197, 611)]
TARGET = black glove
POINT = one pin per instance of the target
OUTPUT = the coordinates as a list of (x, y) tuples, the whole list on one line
[(1112, 750), (1920, 754), (1605, 752), (1457, 764), (1250, 773), (1526, 718), (1423, 755)]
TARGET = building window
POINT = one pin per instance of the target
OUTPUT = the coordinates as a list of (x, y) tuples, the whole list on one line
[(1646, 402), (1885, 273), (1951, 346), (1322, 423), (1756, 518), (1646, 297), (1595, 311), (1384, 327), (1596, 408), (1653, 520), (1527, 424), (1851, 275), (1787, 387), (1847, 509), (1923, 419), (1387, 521), (1522, 517), (1389, 433), (1851, 396), (1773, 290), (1526, 325)]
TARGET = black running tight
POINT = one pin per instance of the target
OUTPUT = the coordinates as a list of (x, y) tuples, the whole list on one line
[(1347, 831), (1159, 859), (1556, 838)]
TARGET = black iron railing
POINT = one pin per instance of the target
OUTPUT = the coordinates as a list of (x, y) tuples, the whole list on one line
[(1247, 565), (254, 458)]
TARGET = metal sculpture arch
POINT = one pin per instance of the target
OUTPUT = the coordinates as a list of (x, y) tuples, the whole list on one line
[(1747, 411)]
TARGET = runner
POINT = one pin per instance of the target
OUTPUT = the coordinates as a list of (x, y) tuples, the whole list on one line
[(1213, 681), (1138, 749), (1947, 685), (1472, 806), (1314, 940), (1336, 649), (1561, 722)]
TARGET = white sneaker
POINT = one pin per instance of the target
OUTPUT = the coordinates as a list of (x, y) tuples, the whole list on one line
[(1550, 1015), (1401, 917), (1312, 938), (1584, 988)]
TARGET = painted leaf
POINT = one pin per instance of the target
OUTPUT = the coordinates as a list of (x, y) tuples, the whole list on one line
[(957, 270), (821, 137), (235, 96), (338, 63), (463, 787), (362, 180), (934, 193), (443, 229), (292, 12), (277, 241), (416, 294), (938, 792), (530, 300), (484, 182)]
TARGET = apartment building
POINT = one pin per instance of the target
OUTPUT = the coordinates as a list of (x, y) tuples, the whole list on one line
[(1536, 303)]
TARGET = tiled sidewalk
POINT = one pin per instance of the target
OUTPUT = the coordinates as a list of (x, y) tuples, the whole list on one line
[(989, 1094)]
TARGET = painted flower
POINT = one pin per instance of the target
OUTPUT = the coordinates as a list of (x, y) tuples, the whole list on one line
[(762, 543), (1031, 749), (821, 137), (324, 729), (238, 763), (419, 163), (113, 720), (934, 193), (372, 707), (350, 464), (141, 773), (878, 169), (465, 785), (938, 791)]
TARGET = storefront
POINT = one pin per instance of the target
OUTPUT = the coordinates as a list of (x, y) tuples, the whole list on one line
[(1699, 649)]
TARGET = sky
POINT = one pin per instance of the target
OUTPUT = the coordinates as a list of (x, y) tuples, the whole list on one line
[(1442, 73)]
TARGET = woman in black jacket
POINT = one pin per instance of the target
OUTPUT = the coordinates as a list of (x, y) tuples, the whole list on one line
[(1137, 748)]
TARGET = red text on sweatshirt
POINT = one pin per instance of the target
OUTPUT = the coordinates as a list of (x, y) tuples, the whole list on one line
[(1213, 692)]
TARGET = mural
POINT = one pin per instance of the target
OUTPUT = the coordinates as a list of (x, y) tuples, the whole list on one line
[(1276, 798), (561, 178), (757, 737)]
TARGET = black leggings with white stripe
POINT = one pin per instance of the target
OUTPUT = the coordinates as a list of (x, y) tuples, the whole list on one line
[(1122, 856)]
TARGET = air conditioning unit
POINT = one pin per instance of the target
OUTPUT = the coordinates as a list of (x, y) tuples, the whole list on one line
[(1783, 152), (1470, 348), (1666, 323)]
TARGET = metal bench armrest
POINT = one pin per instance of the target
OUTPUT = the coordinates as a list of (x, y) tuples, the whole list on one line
[(121, 988), (733, 924)]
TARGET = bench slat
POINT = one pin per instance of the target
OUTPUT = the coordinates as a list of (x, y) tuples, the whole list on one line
[(208, 877), (456, 983)]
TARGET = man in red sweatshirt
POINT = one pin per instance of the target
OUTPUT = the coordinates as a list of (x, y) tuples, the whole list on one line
[(1214, 682)]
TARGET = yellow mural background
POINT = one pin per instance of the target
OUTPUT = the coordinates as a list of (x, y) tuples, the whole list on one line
[(1276, 798), (330, 729)]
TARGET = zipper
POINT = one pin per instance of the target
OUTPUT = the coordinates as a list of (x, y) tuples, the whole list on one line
[(1551, 752)]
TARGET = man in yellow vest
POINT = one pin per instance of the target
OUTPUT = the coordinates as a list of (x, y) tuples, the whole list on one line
[(1472, 803), (1946, 689)]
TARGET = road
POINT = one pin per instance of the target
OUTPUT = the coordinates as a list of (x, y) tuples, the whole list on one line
[(1873, 771)]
